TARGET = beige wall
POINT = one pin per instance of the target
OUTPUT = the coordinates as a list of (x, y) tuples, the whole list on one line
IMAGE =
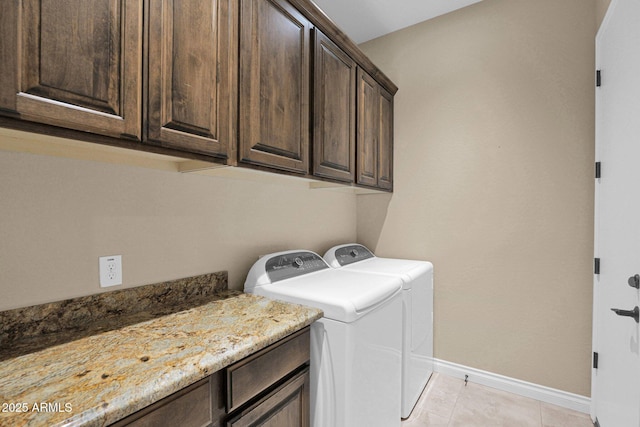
[(57, 216), (494, 184), (494, 134), (601, 10)]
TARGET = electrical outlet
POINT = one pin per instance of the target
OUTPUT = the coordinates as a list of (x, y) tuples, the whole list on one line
[(110, 270)]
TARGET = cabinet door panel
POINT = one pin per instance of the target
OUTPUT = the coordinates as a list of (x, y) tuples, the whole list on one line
[(385, 146), (9, 71), (334, 111), (78, 64), (190, 75), (368, 130), (69, 52), (274, 85)]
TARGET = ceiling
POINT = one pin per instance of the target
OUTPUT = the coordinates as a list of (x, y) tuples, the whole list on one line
[(364, 20)]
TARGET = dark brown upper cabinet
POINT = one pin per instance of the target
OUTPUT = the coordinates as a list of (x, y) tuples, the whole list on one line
[(274, 86), (375, 134), (192, 59), (226, 81), (75, 64), (334, 111)]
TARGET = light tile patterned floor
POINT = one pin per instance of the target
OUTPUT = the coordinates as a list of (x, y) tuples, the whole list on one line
[(447, 402)]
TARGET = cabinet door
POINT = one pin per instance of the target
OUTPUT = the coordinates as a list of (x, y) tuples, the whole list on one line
[(374, 148), (274, 85), (385, 143), (334, 108), (74, 63), (368, 130), (287, 406), (191, 72)]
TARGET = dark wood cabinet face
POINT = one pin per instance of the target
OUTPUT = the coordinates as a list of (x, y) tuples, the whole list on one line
[(75, 63), (211, 80), (288, 406), (334, 111), (368, 130), (274, 85), (198, 405), (256, 373), (385, 144), (375, 134), (191, 70)]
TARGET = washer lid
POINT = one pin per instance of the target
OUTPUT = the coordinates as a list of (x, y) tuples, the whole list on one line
[(408, 269), (303, 277), (343, 295)]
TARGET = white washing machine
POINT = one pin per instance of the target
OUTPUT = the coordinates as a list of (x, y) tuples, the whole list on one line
[(417, 298), (356, 354)]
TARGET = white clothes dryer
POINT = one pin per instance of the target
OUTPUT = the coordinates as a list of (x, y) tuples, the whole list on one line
[(356, 355), (417, 337)]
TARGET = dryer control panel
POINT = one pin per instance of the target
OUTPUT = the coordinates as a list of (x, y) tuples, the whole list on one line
[(353, 253), (293, 264)]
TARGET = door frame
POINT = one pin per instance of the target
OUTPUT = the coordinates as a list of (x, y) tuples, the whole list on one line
[(596, 215), (596, 220), (597, 287)]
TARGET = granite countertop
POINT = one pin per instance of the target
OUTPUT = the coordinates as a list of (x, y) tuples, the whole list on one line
[(101, 378)]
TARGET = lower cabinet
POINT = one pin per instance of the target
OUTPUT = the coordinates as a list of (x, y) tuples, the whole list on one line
[(268, 388)]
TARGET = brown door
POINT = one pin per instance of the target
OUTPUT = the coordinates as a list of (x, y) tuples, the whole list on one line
[(74, 63), (274, 85), (334, 110), (385, 143), (368, 130), (191, 70), (374, 148)]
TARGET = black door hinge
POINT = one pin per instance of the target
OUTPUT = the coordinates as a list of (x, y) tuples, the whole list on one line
[(595, 360), (596, 266), (598, 170), (598, 78)]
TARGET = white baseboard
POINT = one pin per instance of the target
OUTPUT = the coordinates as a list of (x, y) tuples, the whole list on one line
[(515, 386)]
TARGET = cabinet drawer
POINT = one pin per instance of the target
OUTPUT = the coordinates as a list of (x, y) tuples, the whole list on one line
[(190, 407), (256, 373), (287, 406)]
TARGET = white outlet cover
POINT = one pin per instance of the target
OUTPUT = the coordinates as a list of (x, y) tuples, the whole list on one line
[(110, 270)]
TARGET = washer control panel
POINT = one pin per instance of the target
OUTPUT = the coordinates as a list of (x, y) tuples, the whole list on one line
[(353, 253), (293, 264)]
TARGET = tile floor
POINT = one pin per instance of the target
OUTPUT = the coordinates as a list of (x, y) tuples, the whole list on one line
[(447, 402)]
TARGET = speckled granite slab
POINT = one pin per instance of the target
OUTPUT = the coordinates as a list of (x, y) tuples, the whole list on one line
[(29, 329), (99, 379)]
